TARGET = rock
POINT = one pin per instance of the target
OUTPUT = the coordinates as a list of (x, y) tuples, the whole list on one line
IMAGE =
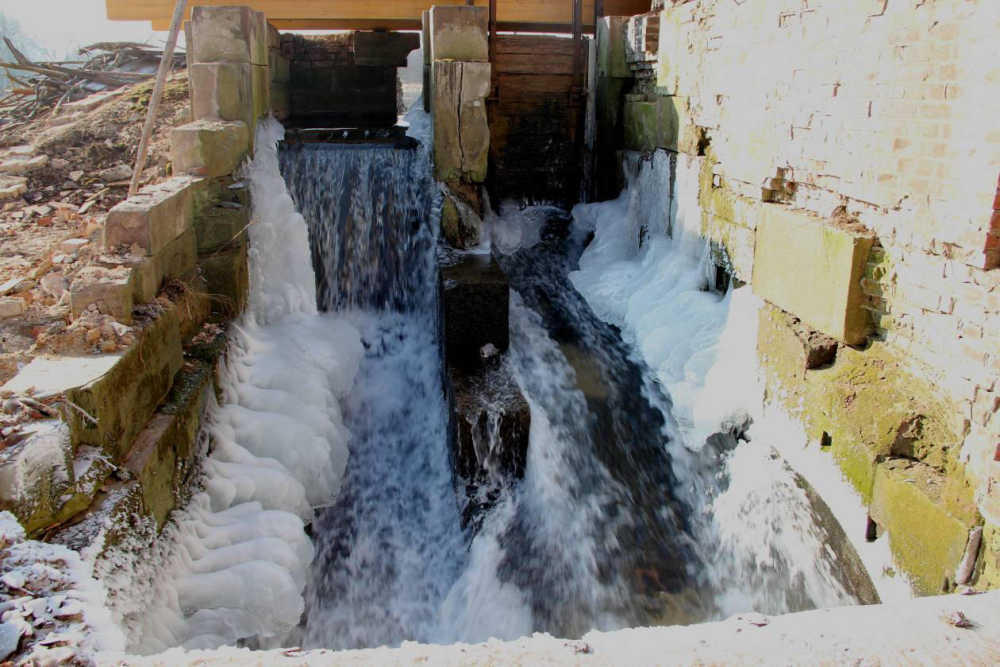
[(22, 164), (12, 285), (59, 163), (489, 425), (108, 346), (75, 176), (12, 186), (107, 290), (70, 246), (54, 284), (118, 173), (11, 306)]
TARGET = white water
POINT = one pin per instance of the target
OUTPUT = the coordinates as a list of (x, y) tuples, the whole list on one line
[(564, 550), (766, 551)]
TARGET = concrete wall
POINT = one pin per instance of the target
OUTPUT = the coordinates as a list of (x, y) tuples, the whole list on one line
[(849, 120)]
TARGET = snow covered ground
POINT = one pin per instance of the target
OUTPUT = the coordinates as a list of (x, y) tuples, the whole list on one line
[(915, 632)]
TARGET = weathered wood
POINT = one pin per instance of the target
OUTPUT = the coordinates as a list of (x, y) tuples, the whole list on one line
[(302, 14), (522, 63), (535, 45), (533, 124)]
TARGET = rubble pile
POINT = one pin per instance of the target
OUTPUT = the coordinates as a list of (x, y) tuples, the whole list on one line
[(42, 86)]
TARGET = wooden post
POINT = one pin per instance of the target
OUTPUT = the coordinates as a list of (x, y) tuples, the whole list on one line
[(154, 102)]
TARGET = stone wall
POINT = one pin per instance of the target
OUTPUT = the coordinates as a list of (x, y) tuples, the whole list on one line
[(174, 266), (851, 178)]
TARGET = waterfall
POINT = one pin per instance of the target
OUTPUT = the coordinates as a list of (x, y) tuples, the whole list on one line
[(642, 501)]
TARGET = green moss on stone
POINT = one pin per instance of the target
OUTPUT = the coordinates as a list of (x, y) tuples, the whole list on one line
[(927, 542)]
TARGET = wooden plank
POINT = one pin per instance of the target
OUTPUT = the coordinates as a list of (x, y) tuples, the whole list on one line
[(521, 63), (535, 85), (302, 14), (535, 45)]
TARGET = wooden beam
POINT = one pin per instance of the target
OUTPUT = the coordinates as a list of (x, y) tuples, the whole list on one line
[(355, 14)]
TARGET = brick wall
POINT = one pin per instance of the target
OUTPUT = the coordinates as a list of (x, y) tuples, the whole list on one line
[(887, 108)]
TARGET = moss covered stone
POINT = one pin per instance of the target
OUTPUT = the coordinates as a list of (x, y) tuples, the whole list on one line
[(869, 404), (927, 542), (124, 397)]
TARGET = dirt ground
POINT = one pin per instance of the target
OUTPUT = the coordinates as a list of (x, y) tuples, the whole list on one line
[(53, 229)]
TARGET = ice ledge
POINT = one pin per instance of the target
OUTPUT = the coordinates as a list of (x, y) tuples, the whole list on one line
[(916, 632)]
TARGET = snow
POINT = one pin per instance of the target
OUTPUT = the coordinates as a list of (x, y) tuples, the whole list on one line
[(50, 599), (915, 632)]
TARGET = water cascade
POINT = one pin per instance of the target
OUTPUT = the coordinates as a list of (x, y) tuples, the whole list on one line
[(649, 493)]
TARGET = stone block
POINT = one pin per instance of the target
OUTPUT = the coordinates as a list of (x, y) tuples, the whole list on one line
[(459, 32), (124, 398), (611, 47), (676, 132), (211, 147), (281, 100), (732, 246), (221, 217), (162, 456), (144, 280), (866, 407), (926, 541), (11, 306), (676, 68), (110, 290), (260, 79), (222, 91), (36, 469), (12, 186), (813, 270), (384, 48), (281, 68), (476, 304), (461, 129), (234, 34), (227, 274), (154, 217), (461, 224), (179, 258), (641, 126)]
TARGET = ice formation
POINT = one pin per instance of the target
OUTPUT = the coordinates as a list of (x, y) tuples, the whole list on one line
[(648, 273), (233, 563)]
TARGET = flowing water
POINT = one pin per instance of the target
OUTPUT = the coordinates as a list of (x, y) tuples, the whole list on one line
[(612, 525)]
